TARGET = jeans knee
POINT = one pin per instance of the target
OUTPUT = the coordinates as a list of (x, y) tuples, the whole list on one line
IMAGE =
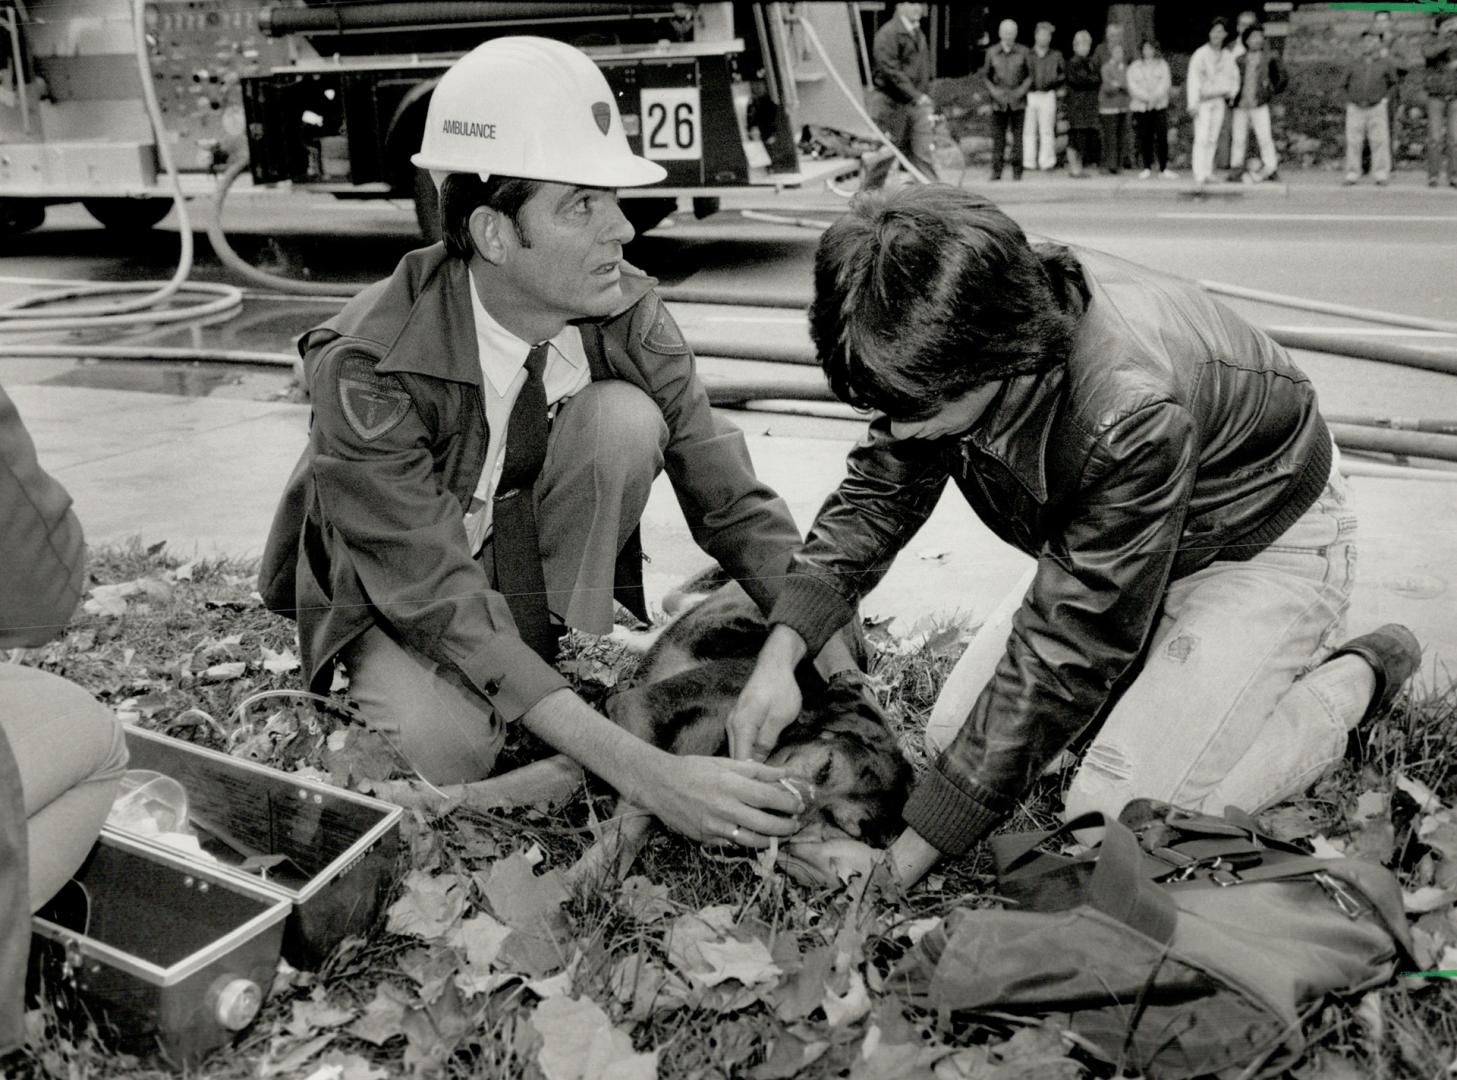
[(1104, 781)]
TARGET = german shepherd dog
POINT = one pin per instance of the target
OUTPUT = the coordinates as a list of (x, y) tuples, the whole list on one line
[(844, 761)]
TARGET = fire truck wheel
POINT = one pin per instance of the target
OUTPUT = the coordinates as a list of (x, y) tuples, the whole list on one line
[(427, 206), (128, 215), (645, 214), (20, 215)]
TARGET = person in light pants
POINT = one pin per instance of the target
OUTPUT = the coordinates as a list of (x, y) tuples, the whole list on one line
[(1049, 74), (1368, 84), (1261, 77), (1213, 80)]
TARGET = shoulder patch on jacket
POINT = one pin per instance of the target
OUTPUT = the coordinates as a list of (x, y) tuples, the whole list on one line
[(660, 331), (372, 404)]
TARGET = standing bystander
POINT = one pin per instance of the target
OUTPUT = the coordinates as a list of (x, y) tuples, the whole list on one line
[(1149, 83), (899, 103), (1441, 88), (1261, 77), (1083, 81), (1113, 105), (1049, 74), (1367, 86), (1008, 75), (1213, 80)]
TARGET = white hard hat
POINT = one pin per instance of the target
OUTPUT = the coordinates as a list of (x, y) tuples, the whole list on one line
[(530, 107)]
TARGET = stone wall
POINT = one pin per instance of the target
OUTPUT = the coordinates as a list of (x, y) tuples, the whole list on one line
[(1310, 117)]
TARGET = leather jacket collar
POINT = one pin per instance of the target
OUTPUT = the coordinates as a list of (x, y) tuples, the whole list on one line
[(1017, 426)]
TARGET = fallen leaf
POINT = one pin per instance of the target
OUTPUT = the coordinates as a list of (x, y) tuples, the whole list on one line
[(428, 907), (109, 600), (355, 753), (646, 901), (431, 969), (1427, 898), (1288, 822), (687, 932), (645, 987), (802, 992), (480, 937), (225, 672), (351, 1067), (382, 1018), (1425, 798), (1323, 848), (292, 1061), (433, 1033), (312, 1014), (790, 1056), (524, 901), (280, 663), (748, 962), (578, 1042), (849, 1007), (1369, 804)]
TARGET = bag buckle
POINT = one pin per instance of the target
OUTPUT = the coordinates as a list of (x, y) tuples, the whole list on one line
[(1220, 870), (1350, 905)]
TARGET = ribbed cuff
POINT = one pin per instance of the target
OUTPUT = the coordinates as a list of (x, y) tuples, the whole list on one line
[(812, 609), (946, 817), (511, 676)]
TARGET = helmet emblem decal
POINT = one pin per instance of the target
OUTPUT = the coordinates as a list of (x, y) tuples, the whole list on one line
[(602, 113)]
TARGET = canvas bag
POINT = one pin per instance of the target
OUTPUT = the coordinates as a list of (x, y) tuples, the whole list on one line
[(1196, 945)]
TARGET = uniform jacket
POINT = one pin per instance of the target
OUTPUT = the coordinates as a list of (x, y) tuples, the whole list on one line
[(902, 68), (1174, 435), (43, 562), (1268, 73), (1008, 76), (370, 528)]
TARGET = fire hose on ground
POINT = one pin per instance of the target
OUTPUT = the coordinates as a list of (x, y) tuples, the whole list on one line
[(1435, 439)]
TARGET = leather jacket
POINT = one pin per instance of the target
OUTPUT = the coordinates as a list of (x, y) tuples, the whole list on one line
[(370, 527), (1174, 435)]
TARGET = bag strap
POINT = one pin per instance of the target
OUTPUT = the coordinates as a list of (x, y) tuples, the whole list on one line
[(1119, 883)]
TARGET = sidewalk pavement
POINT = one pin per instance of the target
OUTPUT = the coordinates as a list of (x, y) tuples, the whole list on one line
[(204, 475)]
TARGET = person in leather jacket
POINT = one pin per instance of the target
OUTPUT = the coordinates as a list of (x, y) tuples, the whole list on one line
[(1167, 467)]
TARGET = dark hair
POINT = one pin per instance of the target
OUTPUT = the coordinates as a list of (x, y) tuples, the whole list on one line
[(1146, 42), (926, 294), (1253, 28), (462, 193), (1045, 25), (1220, 20)]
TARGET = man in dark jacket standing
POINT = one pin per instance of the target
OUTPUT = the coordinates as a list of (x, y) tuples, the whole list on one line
[(1261, 77), (487, 424), (1441, 87), (899, 102), (1164, 463), (1008, 75)]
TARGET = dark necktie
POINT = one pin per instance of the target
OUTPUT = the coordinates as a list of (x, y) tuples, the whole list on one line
[(519, 575)]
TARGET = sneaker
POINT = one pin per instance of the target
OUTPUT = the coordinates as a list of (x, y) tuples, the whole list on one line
[(1249, 178), (1145, 174), (1394, 655), (1169, 174), (1349, 181), (1382, 183), (1431, 181)]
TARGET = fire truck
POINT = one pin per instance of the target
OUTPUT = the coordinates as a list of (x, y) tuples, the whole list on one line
[(331, 96)]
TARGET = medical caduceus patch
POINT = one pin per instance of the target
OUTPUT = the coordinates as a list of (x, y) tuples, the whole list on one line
[(372, 404)]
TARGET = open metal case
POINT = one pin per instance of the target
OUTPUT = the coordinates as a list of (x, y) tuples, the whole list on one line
[(175, 953)]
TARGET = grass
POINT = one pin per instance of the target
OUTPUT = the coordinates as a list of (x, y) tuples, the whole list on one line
[(159, 665)]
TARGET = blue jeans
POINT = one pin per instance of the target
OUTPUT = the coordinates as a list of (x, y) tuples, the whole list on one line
[(1230, 707)]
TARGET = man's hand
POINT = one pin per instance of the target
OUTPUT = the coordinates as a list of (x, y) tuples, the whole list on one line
[(718, 801), (770, 700)]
